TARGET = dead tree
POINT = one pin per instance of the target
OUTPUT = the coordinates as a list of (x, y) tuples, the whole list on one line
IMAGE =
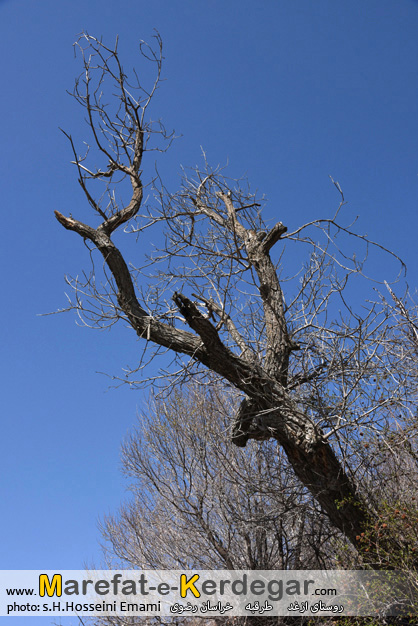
[(213, 294)]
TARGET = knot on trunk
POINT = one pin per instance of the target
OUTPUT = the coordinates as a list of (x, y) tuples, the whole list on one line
[(248, 424)]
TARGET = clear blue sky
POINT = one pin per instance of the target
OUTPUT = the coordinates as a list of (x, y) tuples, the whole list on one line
[(289, 92)]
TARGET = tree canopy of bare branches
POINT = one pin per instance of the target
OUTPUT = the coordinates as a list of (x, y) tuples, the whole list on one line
[(199, 503), (314, 373)]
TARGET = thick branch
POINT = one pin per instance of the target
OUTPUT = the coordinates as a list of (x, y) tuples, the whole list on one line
[(278, 344), (145, 325), (273, 236), (127, 213)]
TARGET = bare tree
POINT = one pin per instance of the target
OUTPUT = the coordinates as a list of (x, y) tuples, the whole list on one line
[(200, 503), (309, 367)]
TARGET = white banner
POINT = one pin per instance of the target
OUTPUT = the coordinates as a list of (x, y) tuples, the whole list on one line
[(205, 593)]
